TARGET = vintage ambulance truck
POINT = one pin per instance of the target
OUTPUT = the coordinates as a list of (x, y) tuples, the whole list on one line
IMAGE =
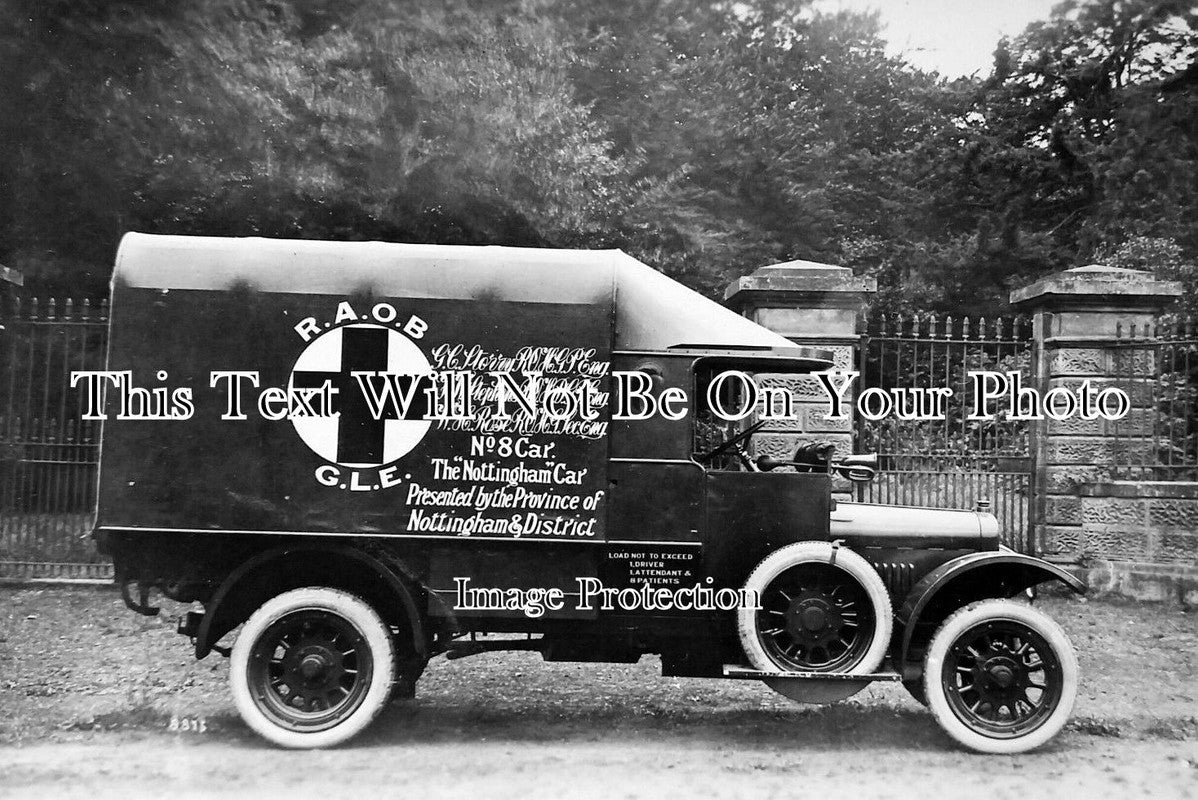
[(365, 455)]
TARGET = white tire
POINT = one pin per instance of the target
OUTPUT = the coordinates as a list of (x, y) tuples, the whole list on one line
[(812, 620), (312, 668), (1000, 677)]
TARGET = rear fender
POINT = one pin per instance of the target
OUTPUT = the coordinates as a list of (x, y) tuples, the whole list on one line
[(963, 580), (273, 571)]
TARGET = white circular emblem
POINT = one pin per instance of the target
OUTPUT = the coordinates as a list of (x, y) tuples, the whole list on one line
[(353, 436)]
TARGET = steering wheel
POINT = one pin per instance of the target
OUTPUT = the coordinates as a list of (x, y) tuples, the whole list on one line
[(734, 444)]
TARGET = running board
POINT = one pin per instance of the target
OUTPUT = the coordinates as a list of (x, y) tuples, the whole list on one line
[(745, 673)]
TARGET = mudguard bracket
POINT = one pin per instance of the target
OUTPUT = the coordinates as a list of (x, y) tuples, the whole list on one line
[(142, 604)]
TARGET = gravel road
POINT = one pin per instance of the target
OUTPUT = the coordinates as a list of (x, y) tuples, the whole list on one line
[(99, 702)]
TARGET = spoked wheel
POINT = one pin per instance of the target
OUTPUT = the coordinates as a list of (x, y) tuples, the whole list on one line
[(312, 668), (822, 610), (1000, 677), (815, 618)]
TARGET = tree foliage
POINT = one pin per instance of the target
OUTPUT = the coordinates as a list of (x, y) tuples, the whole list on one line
[(706, 138)]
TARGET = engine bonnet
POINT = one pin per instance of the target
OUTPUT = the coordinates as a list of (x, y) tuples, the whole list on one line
[(932, 525)]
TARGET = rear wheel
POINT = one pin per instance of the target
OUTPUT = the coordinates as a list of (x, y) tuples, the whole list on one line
[(1000, 677), (823, 609), (312, 668)]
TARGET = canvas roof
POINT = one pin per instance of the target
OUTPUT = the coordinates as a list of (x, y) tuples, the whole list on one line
[(652, 311)]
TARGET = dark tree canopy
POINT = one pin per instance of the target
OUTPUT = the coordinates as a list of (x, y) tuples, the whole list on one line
[(707, 138)]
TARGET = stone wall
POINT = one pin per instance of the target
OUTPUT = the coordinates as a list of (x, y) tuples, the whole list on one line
[(1140, 538)]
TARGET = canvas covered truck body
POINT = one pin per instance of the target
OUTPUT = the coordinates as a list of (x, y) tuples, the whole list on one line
[(560, 498), (367, 452)]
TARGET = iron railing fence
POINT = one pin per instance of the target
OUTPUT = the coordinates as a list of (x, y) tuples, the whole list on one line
[(48, 453), (949, 460), (1157, 365)]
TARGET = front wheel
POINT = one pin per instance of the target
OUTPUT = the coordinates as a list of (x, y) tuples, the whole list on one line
[(312, 668), (1000, 677), (822, 609)]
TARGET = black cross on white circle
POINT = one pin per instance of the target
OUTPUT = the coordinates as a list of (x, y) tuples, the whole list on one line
[(355, 438)]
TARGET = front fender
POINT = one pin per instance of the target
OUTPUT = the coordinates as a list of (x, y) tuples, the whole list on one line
[(972, 577)]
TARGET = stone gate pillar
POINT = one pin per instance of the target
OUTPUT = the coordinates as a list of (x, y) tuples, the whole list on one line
[(1074, 319), (813, 305)]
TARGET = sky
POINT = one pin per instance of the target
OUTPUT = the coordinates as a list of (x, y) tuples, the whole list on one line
[(953, 37)]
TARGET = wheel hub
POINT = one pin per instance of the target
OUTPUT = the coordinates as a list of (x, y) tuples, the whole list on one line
[(815, 618), (315, 664), (812, 619), (1002, 675), (999, 676), (314, 667)]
